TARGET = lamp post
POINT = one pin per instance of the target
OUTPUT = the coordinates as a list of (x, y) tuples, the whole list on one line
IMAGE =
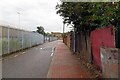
[(20, 27), (63, 30), (18, 18), (74, 40)]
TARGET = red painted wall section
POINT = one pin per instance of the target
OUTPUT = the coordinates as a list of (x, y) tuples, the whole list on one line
[(101, 37)]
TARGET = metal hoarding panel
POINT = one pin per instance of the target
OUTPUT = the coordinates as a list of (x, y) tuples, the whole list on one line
[(5, 48), (15, 44), (51, 38), (40, 38), (13, 40), (18, 39), (32, 39), (29, 37), (26, 40), (36, 38)]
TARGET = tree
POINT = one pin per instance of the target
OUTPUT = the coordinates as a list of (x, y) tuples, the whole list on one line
[(47, 34), (40, 30), (87, 16)]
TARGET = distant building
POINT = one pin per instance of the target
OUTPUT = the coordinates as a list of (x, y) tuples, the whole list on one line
[(57, 34)]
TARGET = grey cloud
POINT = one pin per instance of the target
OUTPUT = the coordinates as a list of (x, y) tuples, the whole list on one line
[(33, 13)]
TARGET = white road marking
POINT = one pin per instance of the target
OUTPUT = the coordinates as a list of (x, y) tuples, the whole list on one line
[(23, 52), (51, 54), (52, 49), (41, 48), (15, 55)]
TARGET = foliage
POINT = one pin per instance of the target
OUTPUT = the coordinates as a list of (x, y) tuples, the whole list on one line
[(89, 15), (40, 30), (47, 34)]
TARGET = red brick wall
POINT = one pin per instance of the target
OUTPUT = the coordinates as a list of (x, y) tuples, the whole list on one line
[(67, 39)]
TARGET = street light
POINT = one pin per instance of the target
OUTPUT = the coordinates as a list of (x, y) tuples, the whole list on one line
[(21, 27), (18, 18), (63, 30), (74, 40)]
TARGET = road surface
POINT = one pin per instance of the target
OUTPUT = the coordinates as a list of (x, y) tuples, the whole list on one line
[(31, 63)]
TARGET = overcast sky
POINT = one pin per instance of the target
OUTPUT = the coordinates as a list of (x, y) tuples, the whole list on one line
[(33, 13)]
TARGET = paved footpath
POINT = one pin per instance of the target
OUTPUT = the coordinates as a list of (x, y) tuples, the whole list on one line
[(66, 65)]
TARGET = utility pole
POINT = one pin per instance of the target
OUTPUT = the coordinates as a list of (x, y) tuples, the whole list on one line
[(20, 27), (74, 40), (18, 18), (63, 31)]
